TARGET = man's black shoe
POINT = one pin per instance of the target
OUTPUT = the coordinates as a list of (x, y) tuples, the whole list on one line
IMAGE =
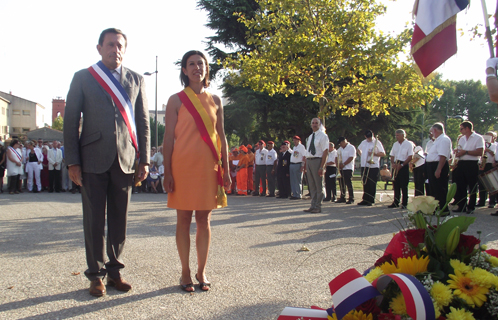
[(341, 200), (393, 206)]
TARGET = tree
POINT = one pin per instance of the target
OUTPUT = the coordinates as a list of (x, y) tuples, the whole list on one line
[(328, 49), (160, 132), (58, 123)]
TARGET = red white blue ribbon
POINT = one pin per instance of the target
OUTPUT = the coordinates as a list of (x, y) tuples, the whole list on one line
[(112, 86), (14, 151), (349, 290), (418, 302)]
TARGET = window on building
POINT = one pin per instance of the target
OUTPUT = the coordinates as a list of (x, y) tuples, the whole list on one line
[(3, 111), (25, 113), (5, 129), (16, 130), (24, 130), (16, 112)]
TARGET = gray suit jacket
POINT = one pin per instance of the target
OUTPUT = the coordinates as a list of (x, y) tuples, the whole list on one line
[(104, 133)]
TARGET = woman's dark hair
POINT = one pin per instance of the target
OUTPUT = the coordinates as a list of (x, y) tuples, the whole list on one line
[(14, 142), (183, 77)]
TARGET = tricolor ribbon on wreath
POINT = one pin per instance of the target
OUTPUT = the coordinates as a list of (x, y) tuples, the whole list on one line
[(350, 289)]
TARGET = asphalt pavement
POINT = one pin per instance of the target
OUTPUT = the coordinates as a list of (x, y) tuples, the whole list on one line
[(256, 264)]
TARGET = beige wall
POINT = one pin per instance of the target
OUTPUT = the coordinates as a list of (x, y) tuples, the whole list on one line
[(4, 129), (23, 115)]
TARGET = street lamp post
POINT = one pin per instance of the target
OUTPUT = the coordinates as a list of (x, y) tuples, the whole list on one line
[(155, 119)]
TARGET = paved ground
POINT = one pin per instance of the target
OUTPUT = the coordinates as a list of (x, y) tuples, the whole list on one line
[(255, 262)]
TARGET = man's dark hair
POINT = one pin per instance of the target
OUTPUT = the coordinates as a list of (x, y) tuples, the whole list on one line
[(112, 30), (467, 124), (368, 133), (184, 78)]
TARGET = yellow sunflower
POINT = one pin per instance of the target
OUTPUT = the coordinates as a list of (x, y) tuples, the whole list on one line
[(388, 268), (398, 305), (469, 291), (358, 315), (460, 266), (441, 294), (459, 314), (332, 317), (374, 274), (413, 265), (493, 261)]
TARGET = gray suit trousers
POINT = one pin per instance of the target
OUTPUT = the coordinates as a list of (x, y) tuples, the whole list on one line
[(111, 188), (315, 182)]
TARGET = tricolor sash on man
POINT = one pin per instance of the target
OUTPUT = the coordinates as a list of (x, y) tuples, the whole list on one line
[(118, 94), (208, 135), (434, 35)]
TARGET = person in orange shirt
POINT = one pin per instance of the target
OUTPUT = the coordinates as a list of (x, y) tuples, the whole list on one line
[(250, 169), (242, 171)]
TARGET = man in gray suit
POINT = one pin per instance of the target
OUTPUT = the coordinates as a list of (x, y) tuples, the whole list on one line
[(102, 157)]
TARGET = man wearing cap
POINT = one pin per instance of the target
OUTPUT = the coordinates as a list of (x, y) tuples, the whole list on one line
[(283, 171), (317, 147), (370, 151), (271, 168), (297, 163), (260, 161), (346, 165), (401, 155)]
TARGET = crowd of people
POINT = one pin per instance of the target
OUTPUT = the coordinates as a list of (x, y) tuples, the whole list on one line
[(317, 163)]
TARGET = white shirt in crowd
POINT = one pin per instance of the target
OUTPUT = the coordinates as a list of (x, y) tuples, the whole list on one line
[(260, 157), (401, 151), (347, 152), (440, 147), (490, 158), (331, 158), (321, 144), (298, 152), (271, 157), (475, 141), (366, 147)]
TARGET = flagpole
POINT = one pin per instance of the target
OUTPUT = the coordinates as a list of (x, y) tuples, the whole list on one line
[(488, 30)]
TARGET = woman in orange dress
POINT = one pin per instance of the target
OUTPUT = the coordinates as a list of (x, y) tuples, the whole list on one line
[(190, 169), (242, 171)]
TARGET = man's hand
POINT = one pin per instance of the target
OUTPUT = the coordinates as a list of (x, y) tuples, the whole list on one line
[(75, 174), (143, 171)]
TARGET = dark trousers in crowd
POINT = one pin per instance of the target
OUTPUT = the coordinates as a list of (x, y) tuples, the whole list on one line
[(330, 183), (271, 178), (419, 180), (483, 193), (400, 185), (466, 180), (13, 183), (260, 175), (345, 182), (438, 187), (54, 180), (369, 180), (284, 189)]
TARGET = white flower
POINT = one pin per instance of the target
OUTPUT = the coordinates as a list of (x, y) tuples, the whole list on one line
[(424, 204)]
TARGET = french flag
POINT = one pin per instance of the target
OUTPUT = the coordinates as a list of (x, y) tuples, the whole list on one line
[(434, 36)]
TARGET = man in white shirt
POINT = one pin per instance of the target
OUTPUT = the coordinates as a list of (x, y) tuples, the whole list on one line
[(317, 147), (489, 159), (298, 160), (437, 165), (331, 174), (370, 150), (271, 168), (417, 165), (401, 155), (470, 150), (54, 157), (346, 167), (260, 175), (158, 158)]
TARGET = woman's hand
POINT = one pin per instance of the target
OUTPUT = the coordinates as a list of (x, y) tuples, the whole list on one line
[(168, 183), (227, 181)]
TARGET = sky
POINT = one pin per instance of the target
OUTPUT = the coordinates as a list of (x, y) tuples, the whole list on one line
[(45, 42)]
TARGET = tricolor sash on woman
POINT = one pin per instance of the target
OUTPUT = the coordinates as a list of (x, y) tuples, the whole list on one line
[(118, 94), (14, 151), (208, 135)]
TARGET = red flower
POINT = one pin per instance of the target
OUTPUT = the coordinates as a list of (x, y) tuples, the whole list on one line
[(399, 243), (467, 244), (369, 306), (385, 258), (492, 252), (415, 236)]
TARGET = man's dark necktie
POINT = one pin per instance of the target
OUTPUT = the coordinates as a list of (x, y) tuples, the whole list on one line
[(312, 149)]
